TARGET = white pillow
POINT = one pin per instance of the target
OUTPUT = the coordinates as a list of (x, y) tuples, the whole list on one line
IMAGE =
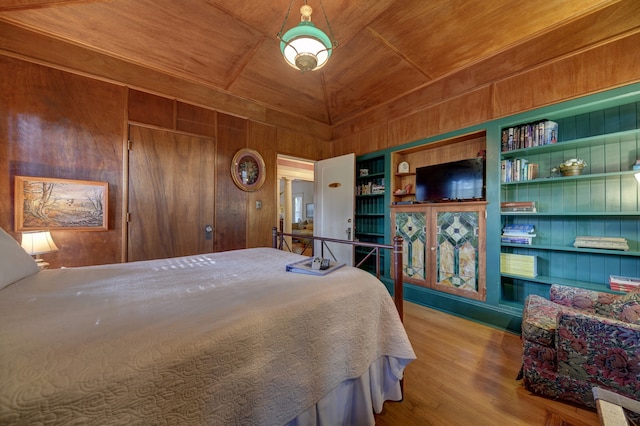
[(15, 263)]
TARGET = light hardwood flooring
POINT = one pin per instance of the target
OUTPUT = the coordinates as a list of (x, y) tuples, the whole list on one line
[(303, 249), (465, 374)]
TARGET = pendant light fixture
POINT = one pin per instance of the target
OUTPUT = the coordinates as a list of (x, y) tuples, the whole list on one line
[(306, 47)]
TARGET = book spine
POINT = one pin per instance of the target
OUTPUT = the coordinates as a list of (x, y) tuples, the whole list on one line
[(518, 204), (624, 280), (514, 240), (589, 238), (519, 228)]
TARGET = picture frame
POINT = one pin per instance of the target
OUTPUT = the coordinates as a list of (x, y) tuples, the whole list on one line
[(248, 169), (52, 203), (309, 210)]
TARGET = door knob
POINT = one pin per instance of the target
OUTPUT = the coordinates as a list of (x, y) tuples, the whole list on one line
[(208, 232)]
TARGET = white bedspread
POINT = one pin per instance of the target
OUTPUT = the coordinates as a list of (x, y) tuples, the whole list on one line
[(225, 338)]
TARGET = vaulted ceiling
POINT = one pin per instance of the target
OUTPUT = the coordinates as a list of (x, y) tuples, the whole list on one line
[(387, 48)]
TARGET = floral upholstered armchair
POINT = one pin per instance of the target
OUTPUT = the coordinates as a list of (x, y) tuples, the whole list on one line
[(581, 339)]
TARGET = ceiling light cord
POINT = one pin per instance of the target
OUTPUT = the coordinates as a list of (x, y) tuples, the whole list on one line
[(324, 12), (286, 18)]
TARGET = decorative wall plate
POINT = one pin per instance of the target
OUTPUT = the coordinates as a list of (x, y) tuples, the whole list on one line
[(403, 167), (247, 169)]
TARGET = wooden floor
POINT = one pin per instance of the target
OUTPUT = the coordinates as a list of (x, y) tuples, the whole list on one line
[(465, 374), (301, 248)]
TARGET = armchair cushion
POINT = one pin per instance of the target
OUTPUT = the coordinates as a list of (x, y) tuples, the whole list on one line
[(604, 352), (595, 302), (627, 308)]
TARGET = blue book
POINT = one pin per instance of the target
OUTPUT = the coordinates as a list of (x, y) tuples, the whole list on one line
[(523, 229)]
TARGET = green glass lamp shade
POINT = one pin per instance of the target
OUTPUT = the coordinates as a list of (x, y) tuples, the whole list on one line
[(306, 47)]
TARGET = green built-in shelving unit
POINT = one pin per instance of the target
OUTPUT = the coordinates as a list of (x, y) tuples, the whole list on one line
[(371, 209), (603, 201), (604, 130)]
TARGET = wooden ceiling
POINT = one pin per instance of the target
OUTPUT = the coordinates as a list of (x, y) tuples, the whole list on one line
[(387, 48)]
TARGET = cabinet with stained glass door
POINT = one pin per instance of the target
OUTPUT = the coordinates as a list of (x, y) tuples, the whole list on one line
[(443, 246)]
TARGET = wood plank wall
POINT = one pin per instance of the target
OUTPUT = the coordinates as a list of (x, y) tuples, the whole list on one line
[(448, 105), (58, 124), (55, 124)]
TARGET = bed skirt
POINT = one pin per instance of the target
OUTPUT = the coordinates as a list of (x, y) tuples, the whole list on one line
[(353, 402)]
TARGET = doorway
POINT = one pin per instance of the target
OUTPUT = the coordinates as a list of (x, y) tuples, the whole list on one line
[(296, 201)]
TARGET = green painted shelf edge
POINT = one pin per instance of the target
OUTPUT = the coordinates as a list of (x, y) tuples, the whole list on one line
[(561, 146), (570, 213), (558, 179), (377, 194), (573, 249), (371, 176), (543, 279)]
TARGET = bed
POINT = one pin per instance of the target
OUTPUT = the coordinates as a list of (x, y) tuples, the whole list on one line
[(222, 338)]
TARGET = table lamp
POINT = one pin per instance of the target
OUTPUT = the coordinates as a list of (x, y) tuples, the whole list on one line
[(37, 243)]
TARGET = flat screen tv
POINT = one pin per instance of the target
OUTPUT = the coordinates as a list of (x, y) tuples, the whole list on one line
[(455, 181)]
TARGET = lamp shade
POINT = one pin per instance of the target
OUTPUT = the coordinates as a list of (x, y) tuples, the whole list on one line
[(38, 242), (306, 47)]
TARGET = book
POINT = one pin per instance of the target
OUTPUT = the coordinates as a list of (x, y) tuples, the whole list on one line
[(524, 210), (592, 238), (516, 239), (608, 243), (518, 234), (518, 169), (520, 229), (518, 207), (305, 266), (527, 135), (519, 264), (550, 132), (625, 284), (504, 140), (517, 204)]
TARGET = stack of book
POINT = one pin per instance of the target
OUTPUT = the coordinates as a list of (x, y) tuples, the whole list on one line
[(526, 135), (608, 243), (518, 234), (625, 284), (524, 207), (517, 170), (519, 264), (370, 188)]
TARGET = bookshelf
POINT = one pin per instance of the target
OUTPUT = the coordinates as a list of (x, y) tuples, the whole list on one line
[(371, 200), (602, 201), (459, 147)]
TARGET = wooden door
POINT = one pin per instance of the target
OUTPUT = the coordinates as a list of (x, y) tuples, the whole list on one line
[(457, 249), (334, 205), (171, 194), (410, 222)]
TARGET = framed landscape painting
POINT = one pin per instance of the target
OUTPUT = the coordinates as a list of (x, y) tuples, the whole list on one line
[(48, 203)]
